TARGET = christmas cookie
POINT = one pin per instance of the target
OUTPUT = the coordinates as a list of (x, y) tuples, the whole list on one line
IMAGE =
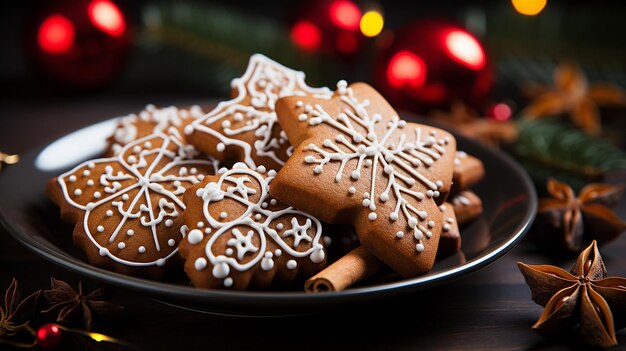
[(468, 170), (240, 237), (245, 128), (168, 120), (126, 208), (355, 161), (450, 239), (467, 206)]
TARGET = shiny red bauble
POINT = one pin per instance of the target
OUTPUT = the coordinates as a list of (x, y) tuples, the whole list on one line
[(77, 43), (49, 337), (432, 63)]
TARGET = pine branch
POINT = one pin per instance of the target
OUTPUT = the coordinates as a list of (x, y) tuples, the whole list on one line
[(549, 148)]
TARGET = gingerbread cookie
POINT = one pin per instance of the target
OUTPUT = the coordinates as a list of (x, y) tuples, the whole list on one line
[(450, 240), (355, 161), (240, 237), (467, 206), (468, 170), (245, 128), (168, 120), (126, 208)]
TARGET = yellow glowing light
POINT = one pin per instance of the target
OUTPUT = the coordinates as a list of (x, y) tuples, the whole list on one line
[(372, 23), (99, 337), (529, 7)]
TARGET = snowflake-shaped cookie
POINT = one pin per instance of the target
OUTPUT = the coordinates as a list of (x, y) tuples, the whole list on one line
[(246, 128), (356, 161), (240, 237), (126, 208), (167, 120)]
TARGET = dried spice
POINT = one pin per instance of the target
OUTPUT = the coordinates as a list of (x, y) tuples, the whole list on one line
[(470, 124), (76, 307), (578, 220), (16, 314), (573, 95), (583, 301)]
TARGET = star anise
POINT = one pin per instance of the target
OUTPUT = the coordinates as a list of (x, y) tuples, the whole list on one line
[(573, 95), (14, 317), (584, 299), (583, 218), (469, 123), (76, 307)]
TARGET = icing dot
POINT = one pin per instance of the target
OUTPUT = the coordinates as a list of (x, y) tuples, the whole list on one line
[(141, 249), (200, 224), (125, 197), (446, 227), (419, 247), (423, 214), (399, 235), (273, 202), (302, 117), (160, 262), (418, 235), (264, 205), (109, 213), (72, 178), (100, 228), (103, 251), (86, 173), (90, 182), (130, 232), (279, 226), (207, 230), (372, 216), (147, 144), (352, 190), (221, 270), (91, 165), (261, 169), (226, 124), (366, 203), (238, 117), (430, 193), (228, 282), (223, 215), (277, 252), (431, 224), (169, 223), (200, 263), (171, 242), (393, 216), (309, 159), (388, 169), (412, 222), (429, 234), (439, 183), (221, 147), (292, 264), (132, 159), (137, 148), (258, 216), (442, 208), (356, 175), (97, 195), (195, 236), (121, 245), (299, 103), (229, 251), (318, 169), (78, 192), (384, 197)]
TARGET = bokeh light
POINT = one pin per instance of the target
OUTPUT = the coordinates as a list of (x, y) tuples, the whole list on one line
[(372, 23), (529, 7)]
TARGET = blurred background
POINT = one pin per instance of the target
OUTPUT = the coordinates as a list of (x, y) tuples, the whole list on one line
[(484, 64)]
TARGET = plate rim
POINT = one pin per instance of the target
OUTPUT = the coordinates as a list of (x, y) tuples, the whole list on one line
[(178, 291)]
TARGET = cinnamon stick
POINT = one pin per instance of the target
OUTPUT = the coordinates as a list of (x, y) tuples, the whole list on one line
[(355, 266)]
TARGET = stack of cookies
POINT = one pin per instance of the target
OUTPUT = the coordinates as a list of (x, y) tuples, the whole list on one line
[(251, 194)]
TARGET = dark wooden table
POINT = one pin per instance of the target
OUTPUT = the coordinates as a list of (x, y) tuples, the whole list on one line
[(489, 309)]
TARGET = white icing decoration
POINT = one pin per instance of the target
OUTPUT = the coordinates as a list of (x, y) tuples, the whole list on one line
[(171, 242), (200, 263), (247, 240), (195, 236), (228, 282), (139, 193), (169, 223), (292, 264), (264, 82), (78, 192), (369, 139), (121, 245)]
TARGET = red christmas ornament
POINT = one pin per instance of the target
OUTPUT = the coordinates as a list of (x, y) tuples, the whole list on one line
[(329, 26), (431, 64), (49, 337), (78, 43)]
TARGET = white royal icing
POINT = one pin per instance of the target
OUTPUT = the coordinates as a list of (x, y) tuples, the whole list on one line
[(264, 82), (400, 160), (152, 183), (245, 230)]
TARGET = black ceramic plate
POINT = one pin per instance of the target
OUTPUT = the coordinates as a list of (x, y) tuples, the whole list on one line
[(507, 193)]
